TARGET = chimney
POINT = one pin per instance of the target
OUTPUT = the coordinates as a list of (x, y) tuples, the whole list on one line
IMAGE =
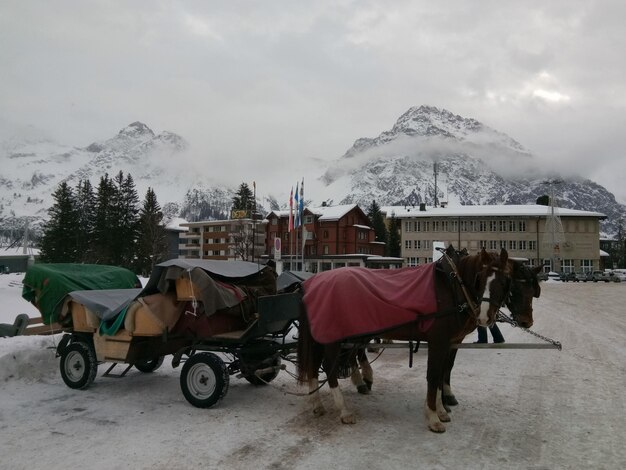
[(323, 203), (422, 207)]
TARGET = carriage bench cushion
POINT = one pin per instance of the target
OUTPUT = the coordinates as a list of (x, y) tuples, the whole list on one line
[(348, 302)]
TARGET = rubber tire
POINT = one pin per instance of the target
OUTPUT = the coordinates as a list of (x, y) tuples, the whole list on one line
[(78, 365), (265, 378), (204, 379), (149, 365)]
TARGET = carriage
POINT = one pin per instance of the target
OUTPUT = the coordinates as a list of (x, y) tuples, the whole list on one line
[(195, 309), (191, 309)]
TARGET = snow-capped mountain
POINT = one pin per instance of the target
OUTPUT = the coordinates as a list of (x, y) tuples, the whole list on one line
[(475, 165)]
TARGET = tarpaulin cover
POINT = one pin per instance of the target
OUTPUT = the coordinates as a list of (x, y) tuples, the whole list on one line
[(47, 285), (347, 302), (219, 285), (106, 303)]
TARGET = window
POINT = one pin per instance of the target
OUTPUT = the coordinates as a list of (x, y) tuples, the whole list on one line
[(493, 226), (407, 244), (493, 244), (412, 261), (426, 226), (503, 244), (482, 244), (532, 245), (325, 233), (362, 235), (521, 225), (567, 266), (512, 226), (427, 244), (523, 245), (472, 226), (418, 244), (454, 226), (482, 226), (326, 251), (407, 226), (463, 225), (308, 219), (444, 226), (502, 225), (512, 245), (586, 265), (274, 221), (416, 226), (435, 225)]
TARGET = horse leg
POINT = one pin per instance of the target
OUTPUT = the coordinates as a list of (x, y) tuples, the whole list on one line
[(331, 359), (314, 397), (433, 408), (362, 373), (448, 397), (366, 369)]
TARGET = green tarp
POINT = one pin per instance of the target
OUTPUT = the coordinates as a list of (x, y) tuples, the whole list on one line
[(46, 285)]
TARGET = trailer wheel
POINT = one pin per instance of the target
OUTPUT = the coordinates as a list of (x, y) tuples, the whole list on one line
[(204, 379), (255, 359), (78, 365), (149, 365)]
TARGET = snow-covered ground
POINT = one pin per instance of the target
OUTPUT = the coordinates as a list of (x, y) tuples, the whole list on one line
[(530, 409)]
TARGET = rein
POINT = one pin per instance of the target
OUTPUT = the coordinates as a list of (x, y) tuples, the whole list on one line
[(468, 298)]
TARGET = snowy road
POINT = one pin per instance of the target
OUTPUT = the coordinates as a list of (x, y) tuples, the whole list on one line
[(531, 409)]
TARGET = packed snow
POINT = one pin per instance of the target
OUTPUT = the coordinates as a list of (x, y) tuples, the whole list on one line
[(530, 409)]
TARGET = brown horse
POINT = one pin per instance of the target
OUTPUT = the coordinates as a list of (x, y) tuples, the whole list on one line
[(524, 287), (460, 284)]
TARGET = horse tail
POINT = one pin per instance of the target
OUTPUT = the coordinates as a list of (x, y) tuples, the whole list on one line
[(308, 349)]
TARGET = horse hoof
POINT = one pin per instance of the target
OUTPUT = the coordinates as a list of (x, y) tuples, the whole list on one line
[(348, 419), (443, 417), (363, 389), (449, 400), (369, 383), (437, 427)]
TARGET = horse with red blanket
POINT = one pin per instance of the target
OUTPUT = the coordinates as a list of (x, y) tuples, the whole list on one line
[(442, 314)]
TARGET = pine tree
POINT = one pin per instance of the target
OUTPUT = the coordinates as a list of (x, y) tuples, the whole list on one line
[(126, 214), (59, 238), (393, 247), (86, 213), (243, 199), (104, 227), (378, 223), (152, 245)]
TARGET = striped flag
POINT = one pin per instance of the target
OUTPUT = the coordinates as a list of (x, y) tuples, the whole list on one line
[(291, 210), (296, 222), (301, 207)]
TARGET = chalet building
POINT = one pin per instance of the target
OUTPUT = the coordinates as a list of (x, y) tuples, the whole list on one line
[(523, 230), (223, 239), (332, 237)]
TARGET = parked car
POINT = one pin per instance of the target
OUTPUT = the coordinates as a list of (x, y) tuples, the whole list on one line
[(618, 276), (584, 277), (600, 276), (566, 277), (542, 276), (554, 276)]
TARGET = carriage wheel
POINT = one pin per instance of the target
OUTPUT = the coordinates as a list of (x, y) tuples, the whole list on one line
[(204, 380), (149, 365), (78, 365), (256, 359)]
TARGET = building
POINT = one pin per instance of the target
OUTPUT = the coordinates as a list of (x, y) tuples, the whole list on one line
[(520, 229), (223, 239), (334, 236), (17, 259)]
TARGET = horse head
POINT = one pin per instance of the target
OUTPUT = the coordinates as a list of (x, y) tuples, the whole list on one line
[(494, 285), (524, 287)]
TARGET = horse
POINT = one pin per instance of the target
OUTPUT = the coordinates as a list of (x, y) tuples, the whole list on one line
[(460, 283), (524, 287)]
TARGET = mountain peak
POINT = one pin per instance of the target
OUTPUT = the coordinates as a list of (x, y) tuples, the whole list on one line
[(431, 121), (136, 129)]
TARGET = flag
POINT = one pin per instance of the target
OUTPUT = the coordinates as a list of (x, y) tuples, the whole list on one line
[(291, 210), (301, 207), (296, 222)]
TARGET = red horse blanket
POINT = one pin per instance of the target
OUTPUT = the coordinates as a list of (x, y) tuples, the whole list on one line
[(346, 302)]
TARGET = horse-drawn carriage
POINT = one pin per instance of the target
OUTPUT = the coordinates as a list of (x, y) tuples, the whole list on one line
[(190, 309), (226, 318)]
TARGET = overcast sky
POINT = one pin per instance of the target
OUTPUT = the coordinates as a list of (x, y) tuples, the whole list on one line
[(259, 87)]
